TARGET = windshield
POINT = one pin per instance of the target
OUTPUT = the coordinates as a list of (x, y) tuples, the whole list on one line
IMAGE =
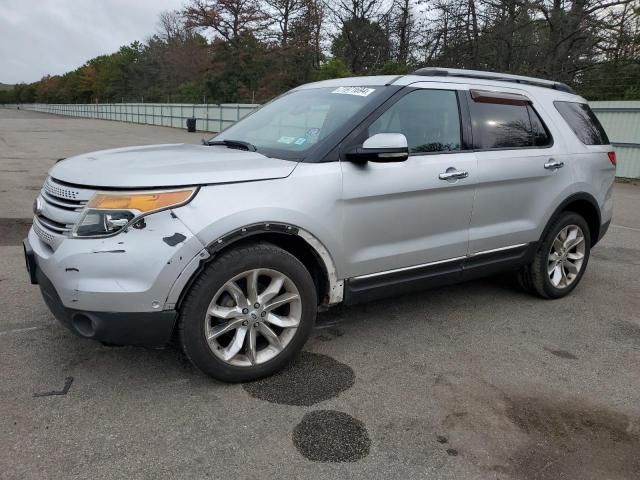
[(291, 125)]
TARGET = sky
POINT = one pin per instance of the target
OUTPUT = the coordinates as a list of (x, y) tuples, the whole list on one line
[(40, 37)]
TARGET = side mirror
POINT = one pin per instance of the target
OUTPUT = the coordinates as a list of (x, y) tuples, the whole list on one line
[(381, 147)]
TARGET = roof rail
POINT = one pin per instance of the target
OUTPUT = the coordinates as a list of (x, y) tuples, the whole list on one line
[(500, 77)]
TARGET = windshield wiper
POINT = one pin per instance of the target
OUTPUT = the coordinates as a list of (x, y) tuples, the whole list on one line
[(237, 144)]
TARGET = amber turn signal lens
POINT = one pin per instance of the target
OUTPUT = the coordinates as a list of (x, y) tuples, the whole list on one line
[(142, 202)]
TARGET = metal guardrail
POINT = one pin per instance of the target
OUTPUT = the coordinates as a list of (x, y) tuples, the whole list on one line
[(209, 117)]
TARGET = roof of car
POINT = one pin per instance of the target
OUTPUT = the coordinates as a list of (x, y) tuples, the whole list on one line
[(502, 81)]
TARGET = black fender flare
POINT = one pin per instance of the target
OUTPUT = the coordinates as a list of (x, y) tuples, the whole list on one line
[(335, 285), (250, 231), (580, 196)]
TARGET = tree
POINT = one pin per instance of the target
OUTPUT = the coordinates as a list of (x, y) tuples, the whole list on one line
[(231, 20), (284, 13), (333, 68), (404, 30), (171, 26), (361, 41), (47, 90), (307, 33), (24, 93), (253, 50), (362, 44)]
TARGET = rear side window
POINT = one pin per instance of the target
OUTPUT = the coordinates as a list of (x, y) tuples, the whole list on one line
[(583, 122), (503, 125)]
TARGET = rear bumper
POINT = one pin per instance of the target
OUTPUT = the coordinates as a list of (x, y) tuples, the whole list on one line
[(148, 329)]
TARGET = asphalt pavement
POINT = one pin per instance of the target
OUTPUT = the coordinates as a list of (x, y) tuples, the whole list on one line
[(473, 381)]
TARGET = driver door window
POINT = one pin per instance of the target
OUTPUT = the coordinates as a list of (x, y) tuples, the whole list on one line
[(429, 119)]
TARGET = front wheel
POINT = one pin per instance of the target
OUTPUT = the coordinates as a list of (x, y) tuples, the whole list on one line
[(561, 259), (248, 314)]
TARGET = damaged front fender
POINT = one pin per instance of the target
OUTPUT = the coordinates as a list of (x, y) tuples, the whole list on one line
[(129, 272)]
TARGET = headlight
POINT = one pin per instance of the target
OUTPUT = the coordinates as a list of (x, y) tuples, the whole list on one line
[(107, 213)]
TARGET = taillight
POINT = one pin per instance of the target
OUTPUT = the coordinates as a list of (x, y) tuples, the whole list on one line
[(612, 158)]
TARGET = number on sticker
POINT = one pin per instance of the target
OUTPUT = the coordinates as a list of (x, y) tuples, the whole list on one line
[(359, 91)]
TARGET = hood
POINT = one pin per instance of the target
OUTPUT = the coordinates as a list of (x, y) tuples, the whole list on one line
[(169, 166)]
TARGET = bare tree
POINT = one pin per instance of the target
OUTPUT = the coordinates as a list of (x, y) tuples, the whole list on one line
[(283, 13), (360, 40), (405, 30), (170, 25), (309, 26), (229, 19), (246, 50), (574, 32), (346, 9)]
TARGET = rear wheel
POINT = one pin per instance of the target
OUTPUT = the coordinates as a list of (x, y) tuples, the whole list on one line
[(248, 313), (561, 259)]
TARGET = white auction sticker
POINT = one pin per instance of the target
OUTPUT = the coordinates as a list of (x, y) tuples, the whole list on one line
[(359, 91)]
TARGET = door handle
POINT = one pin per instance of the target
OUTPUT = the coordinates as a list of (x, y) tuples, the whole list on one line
[(454, 174), (553, 164)]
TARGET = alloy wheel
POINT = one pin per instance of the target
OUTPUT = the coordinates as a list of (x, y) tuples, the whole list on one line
[(566, 256), (253, 317)]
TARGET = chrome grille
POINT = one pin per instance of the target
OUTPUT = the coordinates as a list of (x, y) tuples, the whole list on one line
[(61, 208), (42, 234), (54, 188), (62, 203), (52, 225)]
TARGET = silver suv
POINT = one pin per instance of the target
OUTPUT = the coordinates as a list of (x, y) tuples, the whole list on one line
[(340, 191)]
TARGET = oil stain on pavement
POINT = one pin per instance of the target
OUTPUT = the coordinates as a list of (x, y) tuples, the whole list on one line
[(572, 440), (311, 378), (331, 436), (542, 436), (627, 332), (13, 230), (321, 435)]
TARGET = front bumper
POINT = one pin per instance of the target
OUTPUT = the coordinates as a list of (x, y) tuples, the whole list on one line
[(148, 329), (117, 290)]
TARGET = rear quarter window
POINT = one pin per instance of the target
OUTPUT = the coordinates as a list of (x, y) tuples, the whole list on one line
[(583, 122)]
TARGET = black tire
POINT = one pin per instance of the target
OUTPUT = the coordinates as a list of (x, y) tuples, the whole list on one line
[(522, 277), (216, 274), (535, 278)]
